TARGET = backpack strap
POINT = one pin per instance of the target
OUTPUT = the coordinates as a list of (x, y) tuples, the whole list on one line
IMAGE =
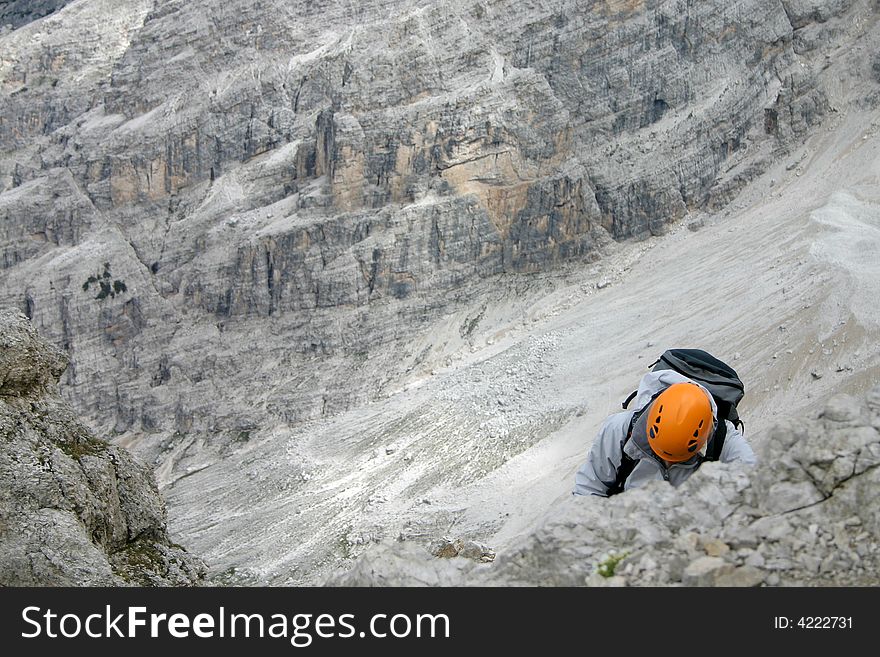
[(716, 443), (629, 399), (627, 463)]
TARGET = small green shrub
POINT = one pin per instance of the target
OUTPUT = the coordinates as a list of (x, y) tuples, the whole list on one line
[(608, 565)]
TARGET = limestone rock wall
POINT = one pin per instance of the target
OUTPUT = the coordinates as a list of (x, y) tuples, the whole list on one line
[(284, 196)]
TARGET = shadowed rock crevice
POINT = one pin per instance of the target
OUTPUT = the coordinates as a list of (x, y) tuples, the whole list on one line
[(16, 13)]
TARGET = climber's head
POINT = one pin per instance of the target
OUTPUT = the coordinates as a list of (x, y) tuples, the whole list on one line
[(680, 422)]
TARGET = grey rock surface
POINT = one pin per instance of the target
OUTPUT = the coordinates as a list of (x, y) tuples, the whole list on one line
[(345, 272), (74, 510), (287, 196), (806, 515)]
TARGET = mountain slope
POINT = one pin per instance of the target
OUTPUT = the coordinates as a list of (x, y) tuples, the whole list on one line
[(286, 198), (483, 448), (370, 273)]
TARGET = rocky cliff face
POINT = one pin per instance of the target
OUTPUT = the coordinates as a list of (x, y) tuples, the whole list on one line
[(806, 515), (74, 510), (224, 210)]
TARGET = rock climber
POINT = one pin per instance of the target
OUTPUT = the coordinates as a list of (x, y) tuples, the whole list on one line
[(674, 429)]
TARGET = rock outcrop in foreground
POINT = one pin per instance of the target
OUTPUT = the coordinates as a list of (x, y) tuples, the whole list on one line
[(807, 514), (74, 510)]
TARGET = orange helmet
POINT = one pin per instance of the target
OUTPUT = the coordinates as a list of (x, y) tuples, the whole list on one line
[(680, 422)]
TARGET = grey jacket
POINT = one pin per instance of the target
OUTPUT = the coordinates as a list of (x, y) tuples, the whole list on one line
[(599, 473)]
